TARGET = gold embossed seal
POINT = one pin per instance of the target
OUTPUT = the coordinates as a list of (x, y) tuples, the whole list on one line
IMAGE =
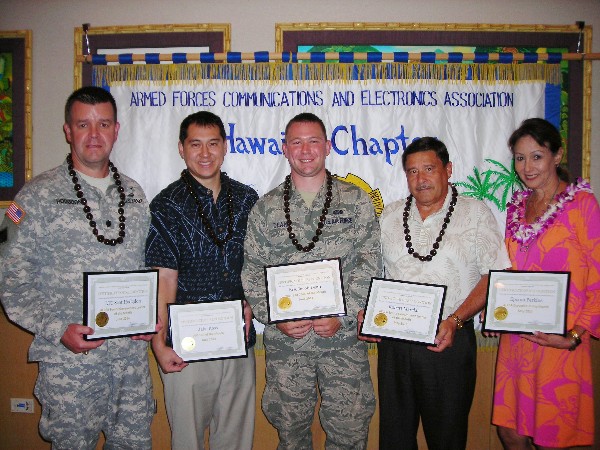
[(101, 319), (500, 313), (188, 344), (380, 319), (284, 303)]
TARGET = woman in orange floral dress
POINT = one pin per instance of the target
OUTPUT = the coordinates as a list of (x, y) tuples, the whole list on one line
[(543, 391)]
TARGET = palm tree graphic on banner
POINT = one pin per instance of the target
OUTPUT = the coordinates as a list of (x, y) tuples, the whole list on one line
[(496, 184)]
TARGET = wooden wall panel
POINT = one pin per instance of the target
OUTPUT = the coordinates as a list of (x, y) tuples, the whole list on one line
[(20, 430)]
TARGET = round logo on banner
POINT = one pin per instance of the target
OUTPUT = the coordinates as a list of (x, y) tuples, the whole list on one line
[(375, 194)]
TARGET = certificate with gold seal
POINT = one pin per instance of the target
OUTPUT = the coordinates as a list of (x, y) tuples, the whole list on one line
[(403, 310), (118, 304), (524, 302), (305, 290), (208, 330)]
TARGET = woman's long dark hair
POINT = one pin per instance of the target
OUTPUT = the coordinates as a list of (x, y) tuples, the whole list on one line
[(546, 135)]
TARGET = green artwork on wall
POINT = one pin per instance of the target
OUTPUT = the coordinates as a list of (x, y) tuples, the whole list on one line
[(6, 121)]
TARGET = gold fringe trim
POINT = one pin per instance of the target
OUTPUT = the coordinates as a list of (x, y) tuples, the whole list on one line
[(372, 348), (259, 347), (486, 344), (275, 72)]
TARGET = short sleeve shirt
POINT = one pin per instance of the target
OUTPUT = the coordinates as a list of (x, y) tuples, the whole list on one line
[(179, 240), (471, 246)]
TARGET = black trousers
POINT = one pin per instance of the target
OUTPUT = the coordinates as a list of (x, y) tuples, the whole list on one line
[(438, 388)]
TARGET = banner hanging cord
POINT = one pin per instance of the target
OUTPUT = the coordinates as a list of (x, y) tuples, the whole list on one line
[(130, 58)]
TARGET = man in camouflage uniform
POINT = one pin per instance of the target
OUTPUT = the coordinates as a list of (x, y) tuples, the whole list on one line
[(325, 352), (84, 386)]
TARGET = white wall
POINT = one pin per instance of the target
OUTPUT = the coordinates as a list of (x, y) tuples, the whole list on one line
[(253, 28)]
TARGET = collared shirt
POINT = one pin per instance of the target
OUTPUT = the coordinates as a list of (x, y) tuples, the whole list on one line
[(179, 240), (46, 254), (471, 246)]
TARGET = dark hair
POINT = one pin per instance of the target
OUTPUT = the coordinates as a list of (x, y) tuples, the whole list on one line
[(545, 134), (425, 144), (202, 119), (306, 117), (90, 95)]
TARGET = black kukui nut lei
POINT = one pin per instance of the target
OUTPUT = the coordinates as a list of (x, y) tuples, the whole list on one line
[(88, 211), (286, 209), (209, 229), (436, 244)]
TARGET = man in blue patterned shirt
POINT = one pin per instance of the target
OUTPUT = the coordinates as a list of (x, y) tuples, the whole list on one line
[(196, 240)]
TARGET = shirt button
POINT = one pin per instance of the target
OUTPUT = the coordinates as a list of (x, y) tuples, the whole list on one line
[(225, 274), (220, 229)]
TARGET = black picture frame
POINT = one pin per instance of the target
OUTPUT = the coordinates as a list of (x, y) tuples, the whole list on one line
[(18, 44)]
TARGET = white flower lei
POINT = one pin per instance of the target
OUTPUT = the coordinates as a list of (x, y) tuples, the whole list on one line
[(524, 233)]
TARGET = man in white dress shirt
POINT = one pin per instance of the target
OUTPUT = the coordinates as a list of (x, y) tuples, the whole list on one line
[(435, 236)]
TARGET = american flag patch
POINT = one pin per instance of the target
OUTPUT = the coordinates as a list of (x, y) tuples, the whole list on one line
[(15, 213)]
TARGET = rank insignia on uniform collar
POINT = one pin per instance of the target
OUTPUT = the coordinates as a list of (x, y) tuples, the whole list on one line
[(15, 213)]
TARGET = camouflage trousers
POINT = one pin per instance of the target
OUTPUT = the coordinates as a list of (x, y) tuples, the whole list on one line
[(81, 400), (347, 398)]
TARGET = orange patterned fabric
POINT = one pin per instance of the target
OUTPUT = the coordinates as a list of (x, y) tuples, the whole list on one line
[(542, 392)]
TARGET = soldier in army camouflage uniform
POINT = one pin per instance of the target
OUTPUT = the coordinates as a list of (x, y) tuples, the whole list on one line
[(325, 352), (84, 386)]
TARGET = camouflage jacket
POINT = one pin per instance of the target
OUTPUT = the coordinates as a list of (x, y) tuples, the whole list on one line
[(45, 256), (351, 233)]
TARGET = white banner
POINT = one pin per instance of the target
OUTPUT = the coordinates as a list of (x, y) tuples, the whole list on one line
[(369, 123)]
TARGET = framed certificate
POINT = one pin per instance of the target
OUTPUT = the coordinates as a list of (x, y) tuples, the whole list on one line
[(117, 304), (403, 310), (209, 330), (305, 290), (524, 302)]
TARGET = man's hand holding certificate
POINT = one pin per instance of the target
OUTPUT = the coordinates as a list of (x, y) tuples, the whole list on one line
[(120, 304), (524, 302), (209, 330), (305, 290), (403, 310)]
